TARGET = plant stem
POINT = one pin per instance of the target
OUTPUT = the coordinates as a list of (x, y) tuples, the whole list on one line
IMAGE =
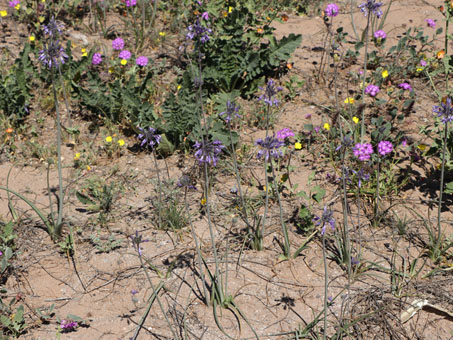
[(326, 282), (442, 175), (286, 250), (160, 188), (362, 127), (57, 228)]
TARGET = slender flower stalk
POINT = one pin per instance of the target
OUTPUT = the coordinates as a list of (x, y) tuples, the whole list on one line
[(151, 139)]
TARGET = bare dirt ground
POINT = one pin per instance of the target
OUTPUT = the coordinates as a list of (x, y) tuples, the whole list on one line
[(109, 290)]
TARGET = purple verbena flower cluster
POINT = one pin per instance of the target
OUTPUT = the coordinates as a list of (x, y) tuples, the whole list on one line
[(68, 325), (385, 147), (141, 61), (444, 111), (14, 3), (331, 10), (363, 151), (405, 86), (118, 44), (372, 90), (125, 54), (97, 59), (130, 3), (208, 152), (380, 34), (284, 133), (431, 23), (269, 93), (270, 147), (371, 6)]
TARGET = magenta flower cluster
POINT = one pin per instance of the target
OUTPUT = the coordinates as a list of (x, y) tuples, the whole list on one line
[(405, 86), (380, 34), (141, 61), (372, 90), (431, 23), (125, 54), (331, 10), (284, 133), (14, 3), (385, 147), (97, 59), (130, 3), (363, 151), (68, 325), (118, 44)]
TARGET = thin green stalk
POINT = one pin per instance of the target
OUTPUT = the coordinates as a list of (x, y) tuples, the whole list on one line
[(352, 20), (65, 96), (326, 283), (442, 175), (362, 127), (266, 204), (286, 250), (197, 247), (160, 188), (58, 226), (376, 200), (238, 179), (142, 264)]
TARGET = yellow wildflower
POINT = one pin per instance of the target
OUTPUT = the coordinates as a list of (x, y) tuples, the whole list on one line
[(385, 74), (108, 139), (84, 52), (88, 167), (355, 120), (230, 9), (120, 142), (77, 156), (178, 87), (203, 201), (349, 100), (31, 38), (123, 62), (327, 126), (422, 147), (3, 13), (17, 6), (297, 146), (162, 34), (419, 69), (111, 69)]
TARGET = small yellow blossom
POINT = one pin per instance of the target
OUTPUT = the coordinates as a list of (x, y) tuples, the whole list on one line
[(230, 9), (355, 120), (84, 52), (349, 100), (123, 62), (88, 167), (162, 34), (178, 87), (108, 139), (297, 146), (422, 147), (3, 13), (385, 74), (120, 142), (31, 38), (17, 6), (111, 69), (327, 126), (77, 156), (419, 69), (203, 201)]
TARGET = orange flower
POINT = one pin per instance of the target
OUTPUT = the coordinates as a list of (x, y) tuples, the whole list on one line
[(9, 130), (259, 30), (289, 66), (285, 17), (440, 54)]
